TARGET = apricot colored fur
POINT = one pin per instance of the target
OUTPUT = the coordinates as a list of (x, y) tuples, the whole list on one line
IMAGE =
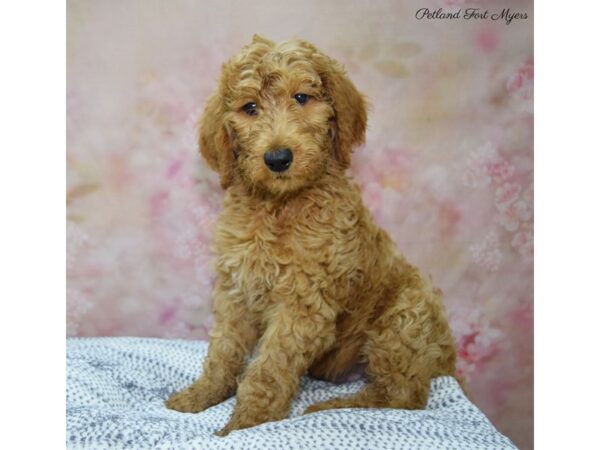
[(305, 278)]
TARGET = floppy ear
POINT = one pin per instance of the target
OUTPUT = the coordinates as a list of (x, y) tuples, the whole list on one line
[(214, 141), (350, 121)]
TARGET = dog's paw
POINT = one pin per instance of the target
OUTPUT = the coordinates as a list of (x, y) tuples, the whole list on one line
[(188, 401)]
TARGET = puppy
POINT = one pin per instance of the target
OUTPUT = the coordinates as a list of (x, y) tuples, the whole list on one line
[(305, 278)]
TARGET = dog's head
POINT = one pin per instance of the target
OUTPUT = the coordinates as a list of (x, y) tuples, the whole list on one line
[(282, 115)]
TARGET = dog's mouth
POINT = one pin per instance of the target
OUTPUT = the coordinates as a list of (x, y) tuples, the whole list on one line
[(283, 176), (283, 183)]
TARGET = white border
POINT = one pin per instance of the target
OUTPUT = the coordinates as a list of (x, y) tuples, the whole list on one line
[(567, 217), (32, 235)]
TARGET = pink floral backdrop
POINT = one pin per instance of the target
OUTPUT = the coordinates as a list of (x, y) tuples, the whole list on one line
[(447, 167)]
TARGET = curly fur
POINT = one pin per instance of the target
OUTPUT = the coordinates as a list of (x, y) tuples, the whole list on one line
[(305, 277)]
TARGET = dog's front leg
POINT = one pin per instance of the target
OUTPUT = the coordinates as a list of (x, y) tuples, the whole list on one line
[(295, 337), (231, 340)]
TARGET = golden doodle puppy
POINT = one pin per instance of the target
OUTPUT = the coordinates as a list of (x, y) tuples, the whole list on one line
[(305, 278)]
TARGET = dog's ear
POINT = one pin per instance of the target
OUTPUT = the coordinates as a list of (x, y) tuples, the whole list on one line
[(215, 143), (350, 109)]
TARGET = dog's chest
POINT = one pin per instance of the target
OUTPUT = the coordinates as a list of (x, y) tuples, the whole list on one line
[(263, 252)]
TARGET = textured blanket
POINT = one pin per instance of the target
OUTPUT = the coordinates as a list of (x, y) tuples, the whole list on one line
[(116, 388)]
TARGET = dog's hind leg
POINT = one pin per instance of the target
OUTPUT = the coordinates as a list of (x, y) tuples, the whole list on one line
[(408, 345)]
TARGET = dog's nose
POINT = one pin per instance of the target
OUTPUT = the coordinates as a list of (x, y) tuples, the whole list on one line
[(279, 159)]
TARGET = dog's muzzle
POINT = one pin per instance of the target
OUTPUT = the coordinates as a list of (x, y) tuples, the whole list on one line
[(279, 160)]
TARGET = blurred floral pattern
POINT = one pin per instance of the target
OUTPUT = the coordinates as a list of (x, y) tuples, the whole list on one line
[(447, 168)]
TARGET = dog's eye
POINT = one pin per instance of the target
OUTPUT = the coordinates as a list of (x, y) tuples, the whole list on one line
[(301, 98), (250, 109)]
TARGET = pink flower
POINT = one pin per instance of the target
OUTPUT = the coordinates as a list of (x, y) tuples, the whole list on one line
[(158, 202), (166, 315), (485, 165), (507, 220), (487, 40), (523, 243), (511, 217), (477, 174), (520, 86), (500, 170), (522, 210), (486, 252), (174, 168), (389, 167), (506, 195), (523, 79), (477, 341)]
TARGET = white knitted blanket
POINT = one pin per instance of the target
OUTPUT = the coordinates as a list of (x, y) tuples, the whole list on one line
[(116, 388)]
